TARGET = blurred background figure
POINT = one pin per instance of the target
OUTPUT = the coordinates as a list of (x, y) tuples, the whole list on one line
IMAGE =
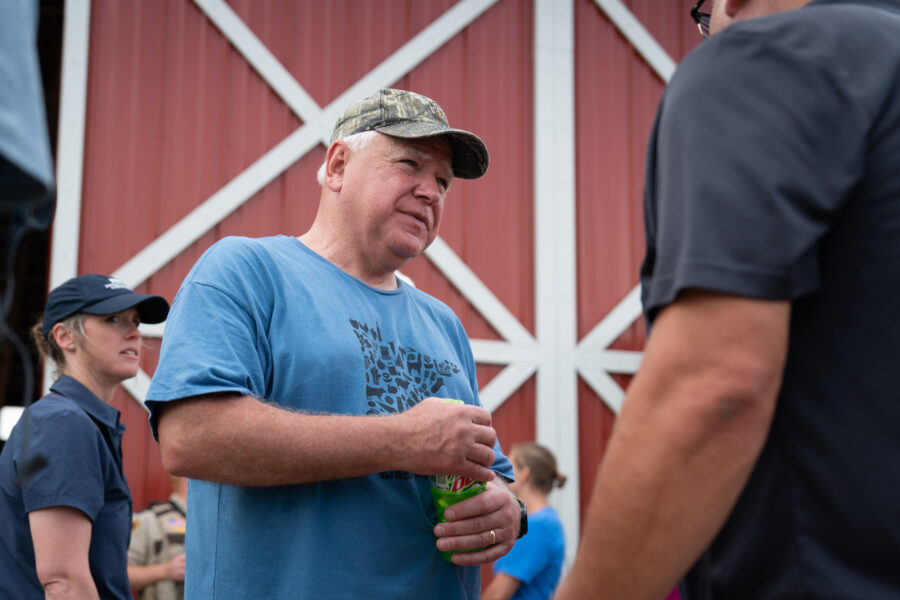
[(532, 568), (26, 166), (65, 507), (156, 552)]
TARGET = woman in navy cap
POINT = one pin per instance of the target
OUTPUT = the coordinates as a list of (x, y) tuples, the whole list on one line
[(65, 508)]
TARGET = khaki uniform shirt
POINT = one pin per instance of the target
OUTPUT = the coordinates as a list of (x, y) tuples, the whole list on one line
[(157, 537)]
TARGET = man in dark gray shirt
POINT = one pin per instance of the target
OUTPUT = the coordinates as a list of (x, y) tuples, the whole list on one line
[(761, 434)]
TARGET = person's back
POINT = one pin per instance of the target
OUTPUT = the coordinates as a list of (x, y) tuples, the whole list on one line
[(762, 424), (545, 561), (817, 94)]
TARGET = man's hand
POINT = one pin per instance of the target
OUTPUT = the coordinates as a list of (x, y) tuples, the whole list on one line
[(448, 439), (141, 576), (175, 568), (470, 523)]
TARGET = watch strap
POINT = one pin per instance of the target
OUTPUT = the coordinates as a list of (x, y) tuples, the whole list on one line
[(523, 518)]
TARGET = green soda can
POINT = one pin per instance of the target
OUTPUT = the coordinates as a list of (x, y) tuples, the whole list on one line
[(450, 489)]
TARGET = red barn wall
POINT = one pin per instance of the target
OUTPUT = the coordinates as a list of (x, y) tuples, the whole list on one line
[(174, 112)]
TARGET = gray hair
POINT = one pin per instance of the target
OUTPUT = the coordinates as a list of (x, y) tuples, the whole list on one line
[(355, 142)]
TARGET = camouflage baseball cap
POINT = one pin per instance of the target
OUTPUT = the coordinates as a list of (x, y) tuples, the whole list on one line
[(403, 114)]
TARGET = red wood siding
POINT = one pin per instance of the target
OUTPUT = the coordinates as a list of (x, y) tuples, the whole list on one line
[(617, 94)]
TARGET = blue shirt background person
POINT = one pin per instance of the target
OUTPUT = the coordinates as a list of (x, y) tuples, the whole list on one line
[(536, 560), (531, 570)]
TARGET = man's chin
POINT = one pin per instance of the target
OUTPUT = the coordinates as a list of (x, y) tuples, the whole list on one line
[(407, 250)]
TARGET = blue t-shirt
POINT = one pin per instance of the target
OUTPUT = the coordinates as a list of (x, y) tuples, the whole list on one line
[(536, 559), (66, 450), (271, 319)]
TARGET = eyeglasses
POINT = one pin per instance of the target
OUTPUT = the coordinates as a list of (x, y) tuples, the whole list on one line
[(701, 18)]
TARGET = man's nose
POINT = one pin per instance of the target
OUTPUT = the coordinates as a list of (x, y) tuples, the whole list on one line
[(429, 189)]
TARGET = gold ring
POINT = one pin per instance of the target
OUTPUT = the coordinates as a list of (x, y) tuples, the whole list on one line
[(493, 537)]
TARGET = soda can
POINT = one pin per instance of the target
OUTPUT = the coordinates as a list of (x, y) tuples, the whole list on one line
[(447, 490)]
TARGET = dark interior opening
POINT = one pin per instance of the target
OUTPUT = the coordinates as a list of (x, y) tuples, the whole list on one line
[(31, 260)]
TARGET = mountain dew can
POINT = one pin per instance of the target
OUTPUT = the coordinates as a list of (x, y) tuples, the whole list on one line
[(450, 489)]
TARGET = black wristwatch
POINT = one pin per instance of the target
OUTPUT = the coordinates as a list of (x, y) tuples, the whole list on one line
[(523, 519)]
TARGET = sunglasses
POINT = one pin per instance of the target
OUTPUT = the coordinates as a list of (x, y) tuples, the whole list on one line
[(701, 19)]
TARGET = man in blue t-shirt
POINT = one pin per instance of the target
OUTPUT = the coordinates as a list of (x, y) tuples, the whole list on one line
[(759, 440), (303, 388)]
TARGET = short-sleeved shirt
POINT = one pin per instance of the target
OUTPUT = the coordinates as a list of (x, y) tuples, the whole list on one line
[(66, 450), (536, 560), (156, 538), (773, 174), (270, 318)]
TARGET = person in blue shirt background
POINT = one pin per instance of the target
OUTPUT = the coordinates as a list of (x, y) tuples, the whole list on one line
[(65, 507), (532, 568)]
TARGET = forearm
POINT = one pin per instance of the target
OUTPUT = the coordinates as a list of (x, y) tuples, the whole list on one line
[(501, 587), (694, 421), (687, 482), (243, 441)]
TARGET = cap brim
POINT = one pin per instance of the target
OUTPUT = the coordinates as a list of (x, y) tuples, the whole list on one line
[(152, 309), (470, 155)]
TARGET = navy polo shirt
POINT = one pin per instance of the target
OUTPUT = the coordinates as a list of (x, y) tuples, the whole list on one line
[(66, 450)]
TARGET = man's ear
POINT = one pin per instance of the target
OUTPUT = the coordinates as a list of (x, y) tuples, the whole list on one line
[(732, 7), (335, 163), (524, 474)]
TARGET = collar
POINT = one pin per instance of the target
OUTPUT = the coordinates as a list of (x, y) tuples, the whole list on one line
[(885, 4), (86, 400)]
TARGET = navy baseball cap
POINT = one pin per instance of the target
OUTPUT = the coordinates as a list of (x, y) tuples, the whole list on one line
[(100, 295)]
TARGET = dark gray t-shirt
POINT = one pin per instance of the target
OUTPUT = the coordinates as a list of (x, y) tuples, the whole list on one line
[(773, 172)]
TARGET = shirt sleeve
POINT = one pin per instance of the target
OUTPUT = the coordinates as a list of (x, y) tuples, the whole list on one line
[(215, 335), (502, 465), (60, 462), (757, 144)]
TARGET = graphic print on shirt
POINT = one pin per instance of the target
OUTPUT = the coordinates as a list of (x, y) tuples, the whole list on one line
[(397, 378)]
